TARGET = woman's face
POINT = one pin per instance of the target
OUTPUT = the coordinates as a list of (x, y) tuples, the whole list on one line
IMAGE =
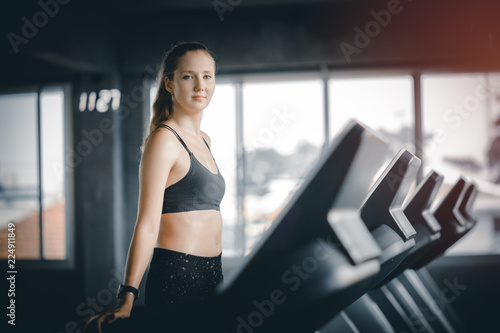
[(193, 83)]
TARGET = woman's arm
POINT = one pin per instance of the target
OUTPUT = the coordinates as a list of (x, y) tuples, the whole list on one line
[(160, 154), (158, 159)]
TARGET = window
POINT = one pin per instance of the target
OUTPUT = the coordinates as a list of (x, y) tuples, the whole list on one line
[(283, 133), (461, 132), (279, 120), (458, 118), (32, 175), (384, 104), (219, 122)]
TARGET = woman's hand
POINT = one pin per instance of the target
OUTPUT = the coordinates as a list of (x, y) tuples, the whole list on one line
[(120, 312)]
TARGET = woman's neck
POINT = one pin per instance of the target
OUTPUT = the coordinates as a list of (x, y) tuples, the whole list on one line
[(190, 124)]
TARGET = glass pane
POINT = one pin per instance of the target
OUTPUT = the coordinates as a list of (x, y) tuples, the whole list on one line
[(219, 122), (53, 198), (460, 112), (493, 107), (19, 194), (384, 104), (456, 123), (283, 134)]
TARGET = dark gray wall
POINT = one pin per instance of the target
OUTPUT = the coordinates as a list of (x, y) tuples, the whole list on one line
[(103, 37)]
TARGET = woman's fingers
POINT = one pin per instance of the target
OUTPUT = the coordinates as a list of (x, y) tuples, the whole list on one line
[(108, 317), (111, 318), (88, 321), (100, 320)]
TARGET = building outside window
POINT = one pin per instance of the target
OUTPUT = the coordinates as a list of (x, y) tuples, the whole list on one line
[(32, 175)]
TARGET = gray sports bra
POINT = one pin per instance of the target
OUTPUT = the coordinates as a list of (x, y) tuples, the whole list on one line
[(199, 189)]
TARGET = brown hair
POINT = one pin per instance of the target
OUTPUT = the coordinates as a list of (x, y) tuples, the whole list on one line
[(162, 106)]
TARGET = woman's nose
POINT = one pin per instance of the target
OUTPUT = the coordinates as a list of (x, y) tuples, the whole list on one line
[(199, 85)]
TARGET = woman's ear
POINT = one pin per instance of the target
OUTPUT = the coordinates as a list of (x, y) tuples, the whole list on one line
[(168, 85)]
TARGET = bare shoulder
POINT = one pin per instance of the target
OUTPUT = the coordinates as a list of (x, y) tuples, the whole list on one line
[(207, 138), (162, 146), (159, 157)]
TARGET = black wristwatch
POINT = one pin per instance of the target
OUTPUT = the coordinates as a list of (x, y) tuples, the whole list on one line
[(127, 289)]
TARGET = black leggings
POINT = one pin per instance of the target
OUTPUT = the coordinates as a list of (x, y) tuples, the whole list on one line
[(177, 279)]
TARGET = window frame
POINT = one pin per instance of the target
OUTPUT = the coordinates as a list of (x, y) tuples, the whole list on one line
[(69, 262), (417, 97)]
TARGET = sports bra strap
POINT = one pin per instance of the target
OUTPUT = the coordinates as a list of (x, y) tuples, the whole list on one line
[(177, 135), (206, 144), (208, 148)]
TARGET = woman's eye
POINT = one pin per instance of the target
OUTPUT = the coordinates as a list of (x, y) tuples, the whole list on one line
[(185, 77), (207, 76)]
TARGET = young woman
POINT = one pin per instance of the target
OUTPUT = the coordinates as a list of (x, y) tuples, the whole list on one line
[(179, 220)]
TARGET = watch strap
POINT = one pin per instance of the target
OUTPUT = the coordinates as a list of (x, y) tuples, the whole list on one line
[(127, 289)]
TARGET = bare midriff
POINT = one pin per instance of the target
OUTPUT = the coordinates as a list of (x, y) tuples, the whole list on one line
[(195, 232)]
